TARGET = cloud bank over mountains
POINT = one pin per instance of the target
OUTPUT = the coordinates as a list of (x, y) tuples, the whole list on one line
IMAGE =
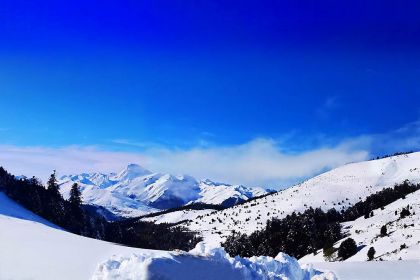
[(260, 162), (256, 163)]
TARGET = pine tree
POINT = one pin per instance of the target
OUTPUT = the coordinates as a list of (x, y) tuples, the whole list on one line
[(371, 253), (383, 230), (52, 185), (347, 249), (405, 212), (76, 213), (55, 210), (75, 196)]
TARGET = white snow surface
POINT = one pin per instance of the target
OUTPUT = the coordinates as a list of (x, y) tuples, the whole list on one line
[(136, 191), (32, 248), (338, 188), (387, 270)]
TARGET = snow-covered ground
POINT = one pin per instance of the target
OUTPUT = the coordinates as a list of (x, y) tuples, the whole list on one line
[(401, 242), (32, 248), (338, 188), (389, 270), (136, 191)]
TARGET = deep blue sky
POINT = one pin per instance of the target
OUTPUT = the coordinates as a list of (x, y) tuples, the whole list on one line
[(188, 73)]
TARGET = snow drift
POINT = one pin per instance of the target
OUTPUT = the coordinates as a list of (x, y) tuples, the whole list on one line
[(204, 263)]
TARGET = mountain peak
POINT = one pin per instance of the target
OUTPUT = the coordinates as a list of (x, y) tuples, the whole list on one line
[(132, 171)]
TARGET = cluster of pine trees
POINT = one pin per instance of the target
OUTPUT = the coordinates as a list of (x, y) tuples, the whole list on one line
[(378, 200), (148, 235), (75, 217), (299, 234), (48, 203)]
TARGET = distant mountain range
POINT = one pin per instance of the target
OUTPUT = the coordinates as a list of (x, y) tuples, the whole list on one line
[(136, 191)]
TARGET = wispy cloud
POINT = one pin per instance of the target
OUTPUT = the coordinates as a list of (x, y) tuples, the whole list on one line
[(259, 162), (133, 143)]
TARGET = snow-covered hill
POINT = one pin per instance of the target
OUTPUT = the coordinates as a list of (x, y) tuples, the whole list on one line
[(136, 191), (402, 240), (338, 188), (32, 248)]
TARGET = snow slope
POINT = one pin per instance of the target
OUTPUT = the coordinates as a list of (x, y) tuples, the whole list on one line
[(136, 191), (390, 270), (366, 233), (32, 248), (12, 210), (338, 188)]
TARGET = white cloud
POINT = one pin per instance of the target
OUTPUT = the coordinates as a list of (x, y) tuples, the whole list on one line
[(259, 162)]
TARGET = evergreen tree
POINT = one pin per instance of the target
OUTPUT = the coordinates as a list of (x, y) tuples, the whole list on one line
[(75, 219), (371, 253), (347, 249), (55, 209), (52, 185), (75, 196), (383, 230), (405, 212)]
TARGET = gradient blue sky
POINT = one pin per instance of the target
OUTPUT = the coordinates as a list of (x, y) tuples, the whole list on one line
[(183, 75)]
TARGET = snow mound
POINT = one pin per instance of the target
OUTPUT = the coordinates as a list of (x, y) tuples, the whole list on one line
[(206, 263)]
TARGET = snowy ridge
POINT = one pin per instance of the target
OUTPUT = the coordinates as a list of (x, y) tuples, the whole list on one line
[(136, 191), (338, 188)]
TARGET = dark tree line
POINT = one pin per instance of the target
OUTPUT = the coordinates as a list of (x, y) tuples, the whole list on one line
[(296, 235), (49, 204), (74, 217), (394, 154), (379, 200), (149, 235), (299, 234)]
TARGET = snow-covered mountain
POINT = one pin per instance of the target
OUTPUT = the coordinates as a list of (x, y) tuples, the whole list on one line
[(338, 188), (136, 191)]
